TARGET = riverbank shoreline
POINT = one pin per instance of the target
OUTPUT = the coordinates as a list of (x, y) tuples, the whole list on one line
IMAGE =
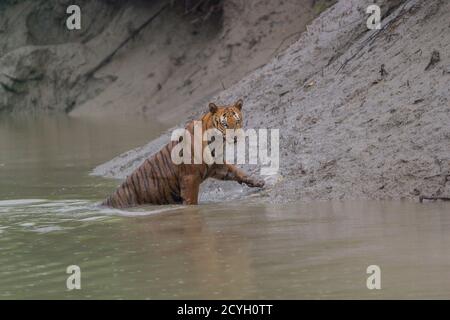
[(347, 130)]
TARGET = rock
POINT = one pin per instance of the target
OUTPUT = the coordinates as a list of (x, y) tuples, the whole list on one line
[(435, 58)]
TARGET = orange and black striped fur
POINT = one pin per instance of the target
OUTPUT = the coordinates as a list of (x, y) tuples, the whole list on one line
[(159, 181)]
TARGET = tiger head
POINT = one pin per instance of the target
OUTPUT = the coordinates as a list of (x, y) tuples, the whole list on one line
[(227, 117)]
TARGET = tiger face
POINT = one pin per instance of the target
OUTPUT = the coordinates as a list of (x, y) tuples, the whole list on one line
[(227, 118)]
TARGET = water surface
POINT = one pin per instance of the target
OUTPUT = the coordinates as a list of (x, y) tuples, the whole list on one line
[(49, 219)]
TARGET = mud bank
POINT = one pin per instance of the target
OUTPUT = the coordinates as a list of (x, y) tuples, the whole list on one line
[(156, 58), (362, 113)]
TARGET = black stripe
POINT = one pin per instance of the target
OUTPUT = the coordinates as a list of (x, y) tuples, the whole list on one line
[(144, 184), (147, 177), (120, 193), (157, 183), (136, 190), (129, 194), (173, 188), (163, 170)]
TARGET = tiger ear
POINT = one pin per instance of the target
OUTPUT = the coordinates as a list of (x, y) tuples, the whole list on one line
[(239, 104), (212, 108)]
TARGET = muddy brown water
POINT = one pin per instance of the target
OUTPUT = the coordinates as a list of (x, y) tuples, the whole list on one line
[(49, 220)]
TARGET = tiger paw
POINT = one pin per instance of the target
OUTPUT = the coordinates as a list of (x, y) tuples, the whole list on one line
[(255, 183)]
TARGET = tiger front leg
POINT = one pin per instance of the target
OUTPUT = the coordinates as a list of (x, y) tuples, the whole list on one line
[(189, 186), (230, 172)]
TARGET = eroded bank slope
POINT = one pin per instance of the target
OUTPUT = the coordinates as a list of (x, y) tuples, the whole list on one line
[(155, 58), (361, 113)]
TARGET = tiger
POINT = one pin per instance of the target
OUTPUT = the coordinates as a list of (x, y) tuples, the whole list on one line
[(159, 181)]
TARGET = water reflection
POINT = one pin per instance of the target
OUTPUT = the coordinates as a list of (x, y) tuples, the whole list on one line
[(238, 250), (209, 260)]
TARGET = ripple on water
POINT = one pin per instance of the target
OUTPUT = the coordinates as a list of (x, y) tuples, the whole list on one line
[(47, 229), (143, 211), (43, 216), (46, 216), (19, 202)]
